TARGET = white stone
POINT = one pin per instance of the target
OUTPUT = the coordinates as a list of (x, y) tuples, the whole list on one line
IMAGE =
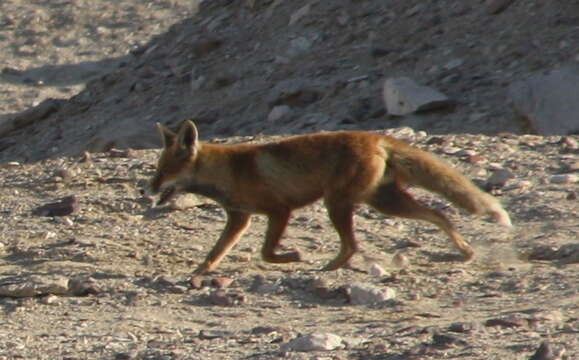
[(403, 96), (365, 294), (314, 342), (377, 271), (278, 112)]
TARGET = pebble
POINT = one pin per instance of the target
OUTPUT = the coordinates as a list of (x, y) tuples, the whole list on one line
[(500, 177), (222, 298), (564, 179), (544, 352), (464, 327), (49, 300), (221, 282), (197, 282), (376, 270), (400, 260), (570, 143), (278, 112), (505, 323), (63, 207), (445, 341)]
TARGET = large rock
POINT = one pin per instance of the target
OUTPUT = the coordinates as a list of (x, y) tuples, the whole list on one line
[(29, 286), (314, 342), (403, 96), (366, 294), (549, 103), (127, 134)]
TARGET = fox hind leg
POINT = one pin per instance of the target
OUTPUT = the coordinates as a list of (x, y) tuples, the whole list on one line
[(341, 215), (276, 226), (391, 200)]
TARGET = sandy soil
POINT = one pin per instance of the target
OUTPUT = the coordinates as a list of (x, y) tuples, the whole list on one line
[(134, 264)]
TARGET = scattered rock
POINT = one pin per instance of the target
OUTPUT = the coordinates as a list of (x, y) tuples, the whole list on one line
[(222, 298), (278, 112), (214, 334), (33, 285), (314, 342), (445, 341), (294, 93), (400, 260), (403, 96), (62, 174), (505, 323), (262, 286), (365, 294), (376, 270), (221, 282), (121, 153), (197, 282), (564, 179), (49, 300), (544, 352), (130, 133), (299, 46), (165, 280), (266, 330), (203, 47), (464, 327), (570, 143), (299, 14), (565, 254), (63, 207), (497, 6), (185, 201), (499, 178), (10, 165), (83, 286)]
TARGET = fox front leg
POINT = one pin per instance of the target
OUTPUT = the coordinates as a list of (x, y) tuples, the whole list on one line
[(237, 222)]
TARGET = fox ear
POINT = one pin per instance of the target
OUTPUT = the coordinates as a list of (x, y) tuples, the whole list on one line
[(188, 136), (167, 135)]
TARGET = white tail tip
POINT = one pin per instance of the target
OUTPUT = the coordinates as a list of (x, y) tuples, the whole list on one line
[(502, 217)]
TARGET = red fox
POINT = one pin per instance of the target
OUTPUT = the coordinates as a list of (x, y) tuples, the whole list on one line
[(344, 168)]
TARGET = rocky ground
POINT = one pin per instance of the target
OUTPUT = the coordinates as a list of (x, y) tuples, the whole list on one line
[(110, 278), (101, 275)]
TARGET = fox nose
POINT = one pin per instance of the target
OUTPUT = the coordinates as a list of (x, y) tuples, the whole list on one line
[(142, 192)]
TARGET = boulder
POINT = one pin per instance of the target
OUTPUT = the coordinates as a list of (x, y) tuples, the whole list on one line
[(403, 96), (549, 103)]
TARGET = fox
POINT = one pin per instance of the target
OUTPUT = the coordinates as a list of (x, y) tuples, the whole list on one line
[(343, 168)]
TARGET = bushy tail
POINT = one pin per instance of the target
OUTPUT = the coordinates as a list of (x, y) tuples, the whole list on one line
[(417, 167)]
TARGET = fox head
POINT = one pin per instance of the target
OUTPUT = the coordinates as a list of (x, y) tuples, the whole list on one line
[(175, 163)]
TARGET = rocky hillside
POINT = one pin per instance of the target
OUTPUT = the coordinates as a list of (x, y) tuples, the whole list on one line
[(262, 66)]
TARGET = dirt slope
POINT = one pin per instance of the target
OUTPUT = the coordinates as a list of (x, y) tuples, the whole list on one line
[(228, 66)]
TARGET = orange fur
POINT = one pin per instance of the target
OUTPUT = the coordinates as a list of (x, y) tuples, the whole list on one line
[(344, 169)]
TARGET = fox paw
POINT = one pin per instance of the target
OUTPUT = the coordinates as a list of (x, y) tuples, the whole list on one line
[(291, 256), (294, 255), (467, 255), (201, 269)]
